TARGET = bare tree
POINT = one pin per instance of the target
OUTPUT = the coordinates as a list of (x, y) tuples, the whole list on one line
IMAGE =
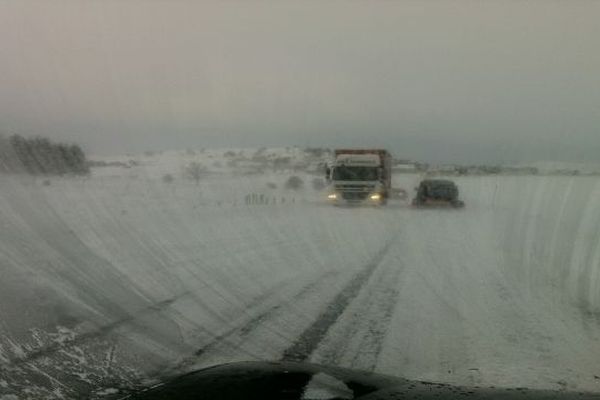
[(195, 171), (294, 182)]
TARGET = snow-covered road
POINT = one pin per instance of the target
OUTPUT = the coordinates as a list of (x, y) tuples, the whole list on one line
[(109, 281)]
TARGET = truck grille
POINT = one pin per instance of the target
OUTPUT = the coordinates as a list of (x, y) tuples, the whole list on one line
[(355, 192), (354, 195)]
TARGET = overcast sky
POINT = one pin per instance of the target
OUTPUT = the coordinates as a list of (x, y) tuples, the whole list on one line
[(462, 81)]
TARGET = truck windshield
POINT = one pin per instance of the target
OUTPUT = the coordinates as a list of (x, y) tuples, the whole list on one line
[(346, 173)]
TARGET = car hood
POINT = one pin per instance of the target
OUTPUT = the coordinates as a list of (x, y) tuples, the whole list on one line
[(290, 380)]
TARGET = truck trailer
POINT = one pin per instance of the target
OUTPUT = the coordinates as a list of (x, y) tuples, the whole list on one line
[(360, 177)]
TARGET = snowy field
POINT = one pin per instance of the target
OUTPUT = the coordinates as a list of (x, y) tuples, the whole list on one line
[(120, 279)]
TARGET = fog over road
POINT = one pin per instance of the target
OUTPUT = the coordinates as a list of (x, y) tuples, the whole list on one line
[(118, 280)]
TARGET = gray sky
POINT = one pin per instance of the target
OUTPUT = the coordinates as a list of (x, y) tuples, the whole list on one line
[(463, 81)]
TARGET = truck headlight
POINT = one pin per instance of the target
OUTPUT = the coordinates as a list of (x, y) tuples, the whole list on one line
[(375, 196), (332, 196)]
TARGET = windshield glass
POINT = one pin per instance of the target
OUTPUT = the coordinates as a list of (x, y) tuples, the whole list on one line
[(348, 173), (167, 198), (439, 190)]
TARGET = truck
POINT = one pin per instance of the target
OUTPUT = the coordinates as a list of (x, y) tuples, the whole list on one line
[(360, 177)]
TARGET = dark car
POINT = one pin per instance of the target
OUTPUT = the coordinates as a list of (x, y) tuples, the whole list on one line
[(437, 192)]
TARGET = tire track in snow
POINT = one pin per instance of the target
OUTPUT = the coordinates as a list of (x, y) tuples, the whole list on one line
[(243, 327), (366, 326), (254, 322), (308, 340)]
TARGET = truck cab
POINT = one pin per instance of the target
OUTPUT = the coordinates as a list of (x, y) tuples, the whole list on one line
[(360, 177)]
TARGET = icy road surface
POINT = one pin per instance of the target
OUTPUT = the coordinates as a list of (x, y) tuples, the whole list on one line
[(114, 281)]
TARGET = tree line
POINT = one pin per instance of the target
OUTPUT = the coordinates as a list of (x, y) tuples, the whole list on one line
[(41, 156)]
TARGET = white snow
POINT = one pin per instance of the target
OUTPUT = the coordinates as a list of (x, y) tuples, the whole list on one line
[(323, 387), (122, 274)]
